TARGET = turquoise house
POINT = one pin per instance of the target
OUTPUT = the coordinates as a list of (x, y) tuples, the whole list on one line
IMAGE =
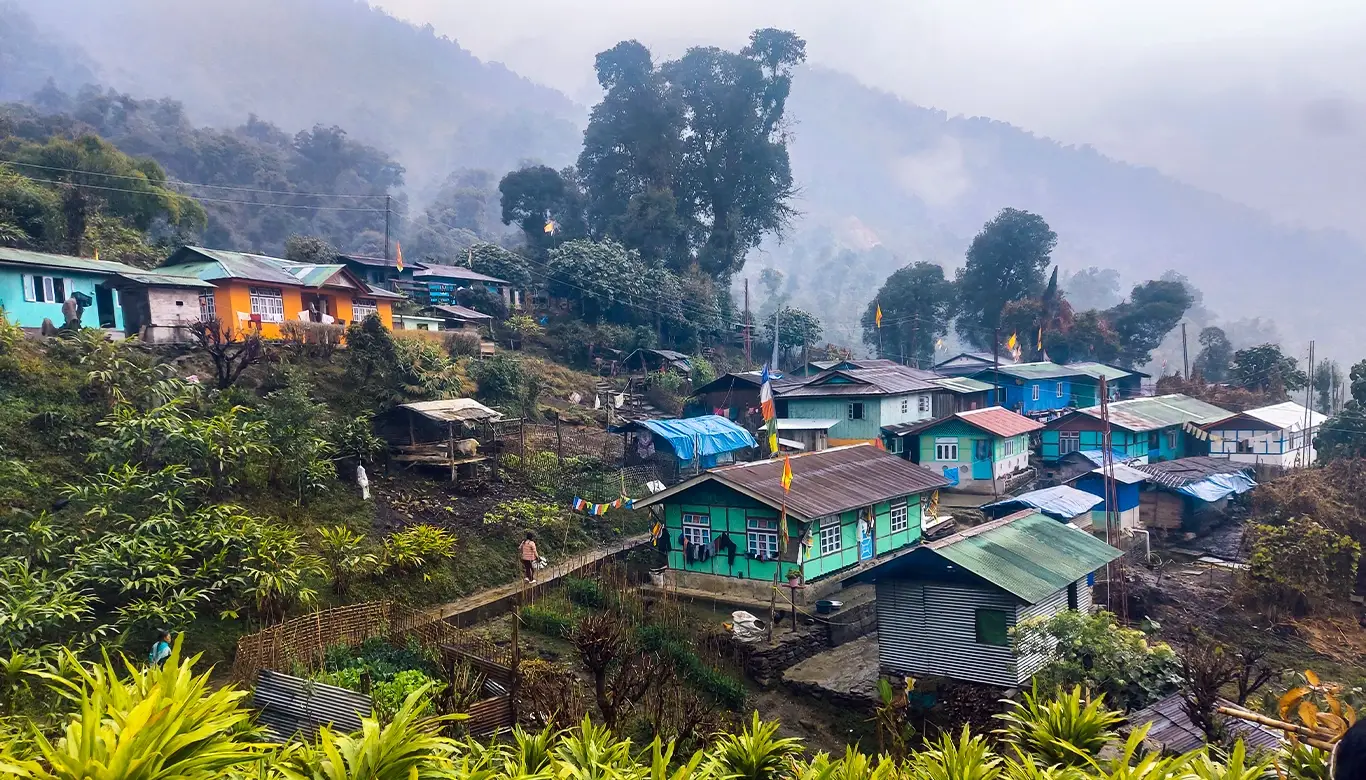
[(863, 400), (1036, 389), (975, 450), (1119, 383), (1158, 427), (846, 506), (34, 285)]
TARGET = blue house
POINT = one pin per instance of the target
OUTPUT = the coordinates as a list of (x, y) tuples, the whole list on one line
[(1128, 486), (1158, 427), (34, 285), (1034, 389)]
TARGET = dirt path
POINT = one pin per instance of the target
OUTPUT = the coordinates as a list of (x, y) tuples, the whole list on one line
[(481, 605)]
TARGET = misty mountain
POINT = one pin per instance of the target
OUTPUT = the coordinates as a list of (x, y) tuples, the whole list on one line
[(297, 63), (30, 58), (877, 171)]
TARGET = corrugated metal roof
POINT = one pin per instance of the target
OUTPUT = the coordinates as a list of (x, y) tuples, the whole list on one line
[(294, 708), (1037, 370), (1060, 502), (313, 275), (1098, 370), (886, 380), (962, 384), (976, 357), (1173, 731), (1184, 471), (824, 483), (802, 424), (1028, 554), (1288, 416), (999, 421), (452, 410), (211, 264), (1160, 411), (153, 279), (456, 272), (1128, 475), (461, 312), (46, 260), (380, 262)]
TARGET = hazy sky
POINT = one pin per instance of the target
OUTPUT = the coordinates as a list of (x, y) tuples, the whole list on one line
[(1262, 101)]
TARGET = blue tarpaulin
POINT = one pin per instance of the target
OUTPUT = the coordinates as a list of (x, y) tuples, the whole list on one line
[(1098, 456), (708, 436), (1218, 487), (1060, 503)]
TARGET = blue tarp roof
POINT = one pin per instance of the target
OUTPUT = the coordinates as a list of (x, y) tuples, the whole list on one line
[(1060, 503), (1218, 487), (1098, 456), (709, 435)]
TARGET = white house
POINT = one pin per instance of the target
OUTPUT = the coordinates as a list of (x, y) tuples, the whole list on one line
[(1277, 435)]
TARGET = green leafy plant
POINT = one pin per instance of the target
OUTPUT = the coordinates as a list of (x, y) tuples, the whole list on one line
[(417, 546), (389, 696), (343, 553), (1068, 730), (525, 513), (757, 752), (1092, 650)]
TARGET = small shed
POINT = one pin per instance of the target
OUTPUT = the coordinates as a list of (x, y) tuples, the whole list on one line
[(1187, 490), (647, 360), (681, 448), (946, 608), (1060, 502), (457, 317), (161, 308), (418, 322), (812, 435), (443, 433), (1128, 489)]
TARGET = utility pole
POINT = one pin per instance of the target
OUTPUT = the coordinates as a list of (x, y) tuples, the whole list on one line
[(747, 357), (387, 198), (996, 367), (1303, 450), (1185, 358)]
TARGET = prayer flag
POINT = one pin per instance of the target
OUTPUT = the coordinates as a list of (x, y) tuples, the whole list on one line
[(787, 474), (877, 316), (398, 256)]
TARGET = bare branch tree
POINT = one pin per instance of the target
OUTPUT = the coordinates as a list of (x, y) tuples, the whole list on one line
[(232, 351)]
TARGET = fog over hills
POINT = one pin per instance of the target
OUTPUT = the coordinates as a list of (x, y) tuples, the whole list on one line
[(884, 181)]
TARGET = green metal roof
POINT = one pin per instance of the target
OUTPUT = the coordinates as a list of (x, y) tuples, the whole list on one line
[(211, 264), (154, 279), (1029, 555), (311, 275), (1099, 370), (45, 260), (963, 384), (1038, 370), (1153, 413)]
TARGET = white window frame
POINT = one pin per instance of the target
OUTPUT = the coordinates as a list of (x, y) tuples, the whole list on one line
[(946, 449), (905, 405), (830, 537), (1060, 389), (268, 302), (1007, 447), (896, 445), (1068, 437), (862, 410), (1172, 440), (697, 528), (761, 536), (208, 307), (924, 403), (363, 307), (43, 289), (1035, 389), (900, 515)]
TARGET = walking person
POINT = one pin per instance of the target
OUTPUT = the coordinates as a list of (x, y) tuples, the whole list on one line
[(529, 556), (161, 649)]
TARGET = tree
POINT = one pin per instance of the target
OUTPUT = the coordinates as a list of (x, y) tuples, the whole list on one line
[(1344, 434), (309, 250), (1093, 288), (232, 351), (546, 204), (1327, 382), (1300, 565), (1141, 322), (1265, 369), (1088, 337), (917, 306), (1005, 262), (493, 260), (605, 279), (1215, 356), (796, 329)]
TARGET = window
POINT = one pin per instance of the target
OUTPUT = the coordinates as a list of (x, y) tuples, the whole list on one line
[(993, 627), (856, 410), (424, 326), (47, 289), (363, 307), (895, 445), (208, 310), (1245, 446), (697, 528), (1060, 389), (1073, 600), (1068, 441), (831, 539), (1171, 439), (905, 405), (1035, 392), (1007, 448), (924, 404), (762, 538), (900, 517), (946, 448), (269, 302)]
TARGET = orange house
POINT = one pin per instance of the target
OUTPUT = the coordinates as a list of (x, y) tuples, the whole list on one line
[(257, 291)]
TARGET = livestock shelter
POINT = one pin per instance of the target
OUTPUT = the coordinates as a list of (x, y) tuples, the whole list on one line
[(845, 507), (1185, 492), (682, 448), (444, 433), (947, 607)]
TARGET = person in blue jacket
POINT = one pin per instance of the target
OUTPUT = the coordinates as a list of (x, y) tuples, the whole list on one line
[(161, 649)]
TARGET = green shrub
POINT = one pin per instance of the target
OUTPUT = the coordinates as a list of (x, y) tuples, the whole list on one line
[(388, 695), (672, 644), (585, 593), (418, 545), (546, 621), (524, 514)]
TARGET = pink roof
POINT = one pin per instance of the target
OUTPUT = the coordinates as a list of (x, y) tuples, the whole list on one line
[(999, 421)]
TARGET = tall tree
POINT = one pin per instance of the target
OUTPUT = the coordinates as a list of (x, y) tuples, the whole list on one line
[(1093, 288), (1216, 353), (1327, 379), (1150, 313), (1088, 337), (547, 204), (1005, 262), (1344, 434), (796, 329), (1265, 369), (917, 306)]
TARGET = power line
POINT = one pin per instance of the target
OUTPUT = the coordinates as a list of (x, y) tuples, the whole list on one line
[(183, 183)]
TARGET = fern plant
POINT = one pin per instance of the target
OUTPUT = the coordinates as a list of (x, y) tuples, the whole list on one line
[(1067, 730)]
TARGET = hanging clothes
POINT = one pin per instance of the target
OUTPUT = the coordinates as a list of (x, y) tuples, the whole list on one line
[(724, 542)]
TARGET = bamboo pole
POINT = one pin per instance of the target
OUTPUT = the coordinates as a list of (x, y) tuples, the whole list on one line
[(1319, 739)]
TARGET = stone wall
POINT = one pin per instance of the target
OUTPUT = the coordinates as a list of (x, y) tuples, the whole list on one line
[(853, 622), (766, 664)]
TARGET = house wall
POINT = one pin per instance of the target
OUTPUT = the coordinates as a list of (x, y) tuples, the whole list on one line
[(846, 431), (1130, 444), (927, 628), (30, 314), (967, 436), (1019, 394), (1277, 447), (233, 296), (161, 315), (730, 511), (892, 413)]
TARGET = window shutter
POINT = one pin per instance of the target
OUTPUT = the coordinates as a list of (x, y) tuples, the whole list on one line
[(30, 292), (49, 294), (70, 289)]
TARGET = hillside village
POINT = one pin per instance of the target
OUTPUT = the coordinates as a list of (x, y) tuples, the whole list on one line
[(559, 495)]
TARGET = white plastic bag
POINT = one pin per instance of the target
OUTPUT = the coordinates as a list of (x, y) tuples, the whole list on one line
[(748, 628)]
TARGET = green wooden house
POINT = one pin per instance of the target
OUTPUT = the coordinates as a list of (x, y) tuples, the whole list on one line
[(1154, 427), (975, 451), (862, 400), (846, 506)]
